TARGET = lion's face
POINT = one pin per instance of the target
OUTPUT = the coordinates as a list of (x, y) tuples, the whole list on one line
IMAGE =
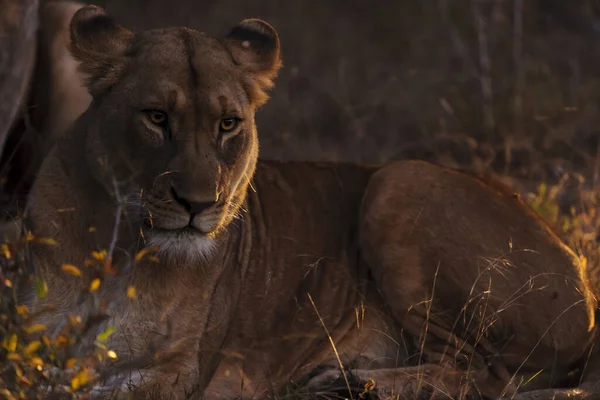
[(175, 118)]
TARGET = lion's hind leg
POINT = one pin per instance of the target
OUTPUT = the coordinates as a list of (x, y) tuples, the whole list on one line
[(475, 278), (435, 285)]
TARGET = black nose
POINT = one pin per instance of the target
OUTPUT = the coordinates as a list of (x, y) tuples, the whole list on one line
[(192, 207)]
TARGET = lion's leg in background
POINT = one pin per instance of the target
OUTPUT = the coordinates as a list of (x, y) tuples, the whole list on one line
[(33, 37), (56, 97), (59, 87), (18, 42), (483, 287), (18, 25)]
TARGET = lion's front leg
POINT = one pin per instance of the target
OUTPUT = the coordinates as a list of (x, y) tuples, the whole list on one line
[(427, 381), (580, 393), (148, 384), (589, 389), (150, 366)]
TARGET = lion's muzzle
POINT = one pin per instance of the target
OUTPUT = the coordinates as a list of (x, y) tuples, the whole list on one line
[(204, 216), (193, 207)]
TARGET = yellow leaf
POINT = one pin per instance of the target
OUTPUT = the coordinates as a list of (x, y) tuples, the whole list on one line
[(35, 328), (22, 310), (74, 319), (75, 383), (8, 283), (141, 254), (70, 363), (95, 285), (10, 343), (46, 340), (61, 341), (131, 292), (99, 255), (14, 356), (81, 378), (29, 236), (71, 269), (36, 362), (48, 241), (92, 229), (144, 251), (7, 394), (5, 251), (25, 380), (32, 348), (111, 354)]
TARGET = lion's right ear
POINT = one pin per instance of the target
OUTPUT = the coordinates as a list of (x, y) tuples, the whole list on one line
[(99, 44)]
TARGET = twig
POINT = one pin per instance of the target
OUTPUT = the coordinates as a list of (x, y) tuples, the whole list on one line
[(485, 68), (115, 233), (459, 44), (518, 64)]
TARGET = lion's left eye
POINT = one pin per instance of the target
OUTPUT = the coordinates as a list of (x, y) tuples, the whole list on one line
[(158, 117), (228, 124)]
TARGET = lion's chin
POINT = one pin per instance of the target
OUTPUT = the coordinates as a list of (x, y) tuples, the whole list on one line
[(183, 245)]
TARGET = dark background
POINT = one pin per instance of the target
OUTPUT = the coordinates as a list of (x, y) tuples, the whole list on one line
[(505, 85)]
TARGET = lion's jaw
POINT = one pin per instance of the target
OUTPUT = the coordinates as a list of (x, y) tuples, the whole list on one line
[(182, 245)]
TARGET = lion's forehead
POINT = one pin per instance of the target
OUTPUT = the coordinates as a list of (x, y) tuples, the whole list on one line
[(185, 71), (180, 47)]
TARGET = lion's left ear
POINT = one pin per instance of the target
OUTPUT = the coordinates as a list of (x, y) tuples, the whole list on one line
[(254, 46)]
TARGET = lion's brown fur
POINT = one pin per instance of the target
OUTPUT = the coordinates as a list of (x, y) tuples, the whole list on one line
[(424, 277)]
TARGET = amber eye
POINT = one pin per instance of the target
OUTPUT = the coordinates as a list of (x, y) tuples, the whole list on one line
[(228, 124), (157, 117)]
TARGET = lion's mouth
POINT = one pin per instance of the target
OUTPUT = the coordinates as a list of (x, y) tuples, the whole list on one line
[(169, 219), (186, 230)]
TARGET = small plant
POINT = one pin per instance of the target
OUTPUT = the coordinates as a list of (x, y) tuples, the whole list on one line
[(35, 361), (579, 226)]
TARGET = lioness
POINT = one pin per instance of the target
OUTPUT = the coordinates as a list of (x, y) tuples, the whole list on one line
[(424, 279)]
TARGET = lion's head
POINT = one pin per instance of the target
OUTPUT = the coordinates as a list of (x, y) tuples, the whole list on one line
[(173, 112)]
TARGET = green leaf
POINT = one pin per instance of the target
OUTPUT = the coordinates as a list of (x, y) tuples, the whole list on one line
[(41, 289), (103, 337)]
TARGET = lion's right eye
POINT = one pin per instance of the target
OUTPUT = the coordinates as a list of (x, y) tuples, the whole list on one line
[(158, 117)]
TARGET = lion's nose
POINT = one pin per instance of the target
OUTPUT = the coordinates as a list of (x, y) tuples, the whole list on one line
[(193, 207)]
